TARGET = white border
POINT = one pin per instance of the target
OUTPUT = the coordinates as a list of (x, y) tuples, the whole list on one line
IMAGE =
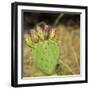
[(82, 48)]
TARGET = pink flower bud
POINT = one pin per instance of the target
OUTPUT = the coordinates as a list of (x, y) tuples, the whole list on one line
[(46, 28)]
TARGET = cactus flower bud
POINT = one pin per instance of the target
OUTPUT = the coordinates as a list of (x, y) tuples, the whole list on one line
[(28, 41), (52, 33), (40, 32), (34, 36), (46, 31)]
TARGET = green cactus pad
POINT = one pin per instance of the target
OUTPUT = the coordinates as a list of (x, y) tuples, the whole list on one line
[(45, 56)]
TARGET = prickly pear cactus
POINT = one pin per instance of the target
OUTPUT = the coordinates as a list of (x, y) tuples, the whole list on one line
[(45, 56), (45, 53)]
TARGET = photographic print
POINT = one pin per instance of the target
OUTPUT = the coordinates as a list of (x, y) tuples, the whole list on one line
[(49, 44)]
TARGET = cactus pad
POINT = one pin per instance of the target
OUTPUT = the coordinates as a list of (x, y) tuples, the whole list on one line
[(45, 56)]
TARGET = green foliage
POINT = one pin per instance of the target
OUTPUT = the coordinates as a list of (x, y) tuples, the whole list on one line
[(45, 56)]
